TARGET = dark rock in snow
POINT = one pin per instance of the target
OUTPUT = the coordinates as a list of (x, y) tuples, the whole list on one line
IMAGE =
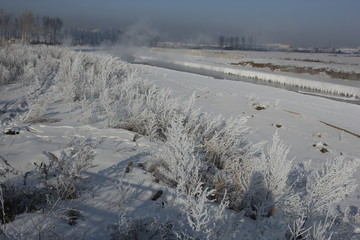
[(157, 195), (10, 131)]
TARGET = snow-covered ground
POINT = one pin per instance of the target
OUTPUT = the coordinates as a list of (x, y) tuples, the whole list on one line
[(306, 123), (327, 73), (302, 117), (65, 105)]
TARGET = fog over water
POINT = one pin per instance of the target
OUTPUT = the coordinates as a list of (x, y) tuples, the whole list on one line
[(320, 23)]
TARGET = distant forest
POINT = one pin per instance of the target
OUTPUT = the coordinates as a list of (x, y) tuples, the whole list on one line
[(32, 28), (35, 29)]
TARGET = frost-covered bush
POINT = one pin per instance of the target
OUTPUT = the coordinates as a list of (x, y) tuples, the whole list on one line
[(72, 75), (6, 168), (261, 180), (259, 183), (197, 212), (69, 166), (35, 67), (34, 63), (124, 192), (257, 103), (38, 75), (225, 139), (92, 112), (149, 113), (85, 76), (314, 196), (330, 184), (4, 75), (145, 228), (13, 57), (180, 165), (127, 101), (15, 200), (36, 112)]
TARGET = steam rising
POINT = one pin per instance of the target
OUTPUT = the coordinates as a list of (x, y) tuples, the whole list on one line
[(138, 35)]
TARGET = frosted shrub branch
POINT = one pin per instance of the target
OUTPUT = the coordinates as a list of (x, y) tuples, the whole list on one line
[(330, 184), (198, 213), (277, 168), (322, 229), (70, 166), (181, 164)]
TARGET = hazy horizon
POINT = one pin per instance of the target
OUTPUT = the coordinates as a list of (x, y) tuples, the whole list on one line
[(320, 23)]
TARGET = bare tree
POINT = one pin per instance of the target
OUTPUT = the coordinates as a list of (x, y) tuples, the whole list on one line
[(48, 30), (27, 26), (52, 30), (15, 30), (57, 25), (251, 42), (243, 43), (231, 41), (221, 41), (237, 39), (36, 29), (5, 25)]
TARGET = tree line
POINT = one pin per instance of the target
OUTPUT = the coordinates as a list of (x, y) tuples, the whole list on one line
[(235, 42), (30, 28), (94, 37)]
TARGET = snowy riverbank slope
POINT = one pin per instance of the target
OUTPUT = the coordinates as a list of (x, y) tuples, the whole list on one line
[(91, 149), (331, 74)]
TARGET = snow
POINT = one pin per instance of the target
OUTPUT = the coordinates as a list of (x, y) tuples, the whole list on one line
[(112, 198), (212, 63), (299, 115)]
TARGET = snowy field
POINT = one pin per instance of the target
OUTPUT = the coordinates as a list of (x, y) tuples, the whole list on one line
[(95, 148), (337, 75)]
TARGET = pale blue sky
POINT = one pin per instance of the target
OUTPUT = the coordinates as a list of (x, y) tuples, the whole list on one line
[(298, 22)]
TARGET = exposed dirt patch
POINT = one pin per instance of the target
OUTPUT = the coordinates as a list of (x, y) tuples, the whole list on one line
[(129, 167), (11, 132), (310, 70), (319, 61), (324, 150), (157, 195), (73, 215), (259, 108)]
